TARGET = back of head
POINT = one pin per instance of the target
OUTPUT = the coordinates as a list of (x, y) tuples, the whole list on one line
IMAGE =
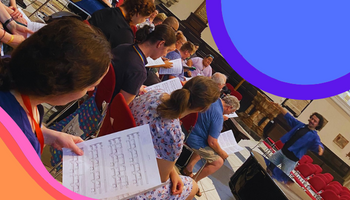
[(160, 32), (180, 36), (231, 101), (188, 46), (172, 21), (64, 56), (159, 18), (219, 78), (197, 94), (142, 7), (321, 120)]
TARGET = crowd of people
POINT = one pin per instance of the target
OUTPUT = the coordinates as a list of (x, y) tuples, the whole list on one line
[(65, 59)]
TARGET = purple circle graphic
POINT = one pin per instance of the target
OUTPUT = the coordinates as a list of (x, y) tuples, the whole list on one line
[(259, 79)]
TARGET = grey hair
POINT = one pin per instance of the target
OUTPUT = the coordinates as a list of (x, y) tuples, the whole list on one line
[(231, 101), (219, 78)]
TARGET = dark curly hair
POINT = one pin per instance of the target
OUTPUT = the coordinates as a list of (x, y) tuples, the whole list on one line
[(320, 122), (62, 57), (142, 7)]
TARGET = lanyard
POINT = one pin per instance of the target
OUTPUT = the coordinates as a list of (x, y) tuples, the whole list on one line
[(122, 12), (37, 129), (138, 51)]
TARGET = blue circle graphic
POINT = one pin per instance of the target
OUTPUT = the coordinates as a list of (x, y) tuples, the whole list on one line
[(294, 49)]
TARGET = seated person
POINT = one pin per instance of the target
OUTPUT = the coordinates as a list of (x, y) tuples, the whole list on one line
[(203, 138), (163, 113), (129, 60), (56, 65), (184, 52), (115, 23), (202, 65)]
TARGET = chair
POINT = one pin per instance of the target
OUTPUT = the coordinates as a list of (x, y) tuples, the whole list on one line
[(317, 183), (305, 159), (88, 7), (329, 195), (118, 117), (345, 191), (234, 92), (105, 89), (189, 121), (329, 177), (306, 170), (318, 169), (279, 145), (334, 188), (337, 184)]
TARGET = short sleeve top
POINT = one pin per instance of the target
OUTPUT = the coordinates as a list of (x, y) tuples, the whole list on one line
[(129, 68), (166, 133), (200, 69)]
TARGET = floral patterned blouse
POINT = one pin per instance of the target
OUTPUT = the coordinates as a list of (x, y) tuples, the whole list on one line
[(166, 133)]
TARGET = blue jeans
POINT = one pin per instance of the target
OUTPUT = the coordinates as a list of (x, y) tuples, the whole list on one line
[(287, 165)]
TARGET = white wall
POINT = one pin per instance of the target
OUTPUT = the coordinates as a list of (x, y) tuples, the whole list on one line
[(183, 9)]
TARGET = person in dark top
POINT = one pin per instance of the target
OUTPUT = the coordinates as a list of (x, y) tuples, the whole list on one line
[(56, 65), (298, 141), (129, 60), (115, 23)]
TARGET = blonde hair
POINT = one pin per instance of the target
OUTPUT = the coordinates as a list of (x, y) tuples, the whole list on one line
[(188, 46), (198, 93)]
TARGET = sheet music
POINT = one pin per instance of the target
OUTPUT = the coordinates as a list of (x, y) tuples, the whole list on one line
[(34, 26), (168, 86), (228, 142), (176, 69), (231, 115), (151, 62), (113, 166)]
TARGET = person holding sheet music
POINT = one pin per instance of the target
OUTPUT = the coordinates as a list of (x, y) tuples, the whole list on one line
[(56, 65), (129, 60), (186, 50), (202, 65), (203, 138), (162, 112), (115, 23), (152, 71)]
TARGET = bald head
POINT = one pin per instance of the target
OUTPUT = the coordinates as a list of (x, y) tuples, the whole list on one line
[(172, 21), (220, 79)]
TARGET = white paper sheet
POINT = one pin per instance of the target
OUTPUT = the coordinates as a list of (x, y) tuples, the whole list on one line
[(228, 142), (34, 26), (176, 69), (151, 62), (231, 115), (168, 86), (114, 166)]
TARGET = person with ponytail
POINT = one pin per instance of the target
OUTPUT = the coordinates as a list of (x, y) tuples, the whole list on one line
[(129, 60), (56, 65), (162, 112), (115, 23)]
